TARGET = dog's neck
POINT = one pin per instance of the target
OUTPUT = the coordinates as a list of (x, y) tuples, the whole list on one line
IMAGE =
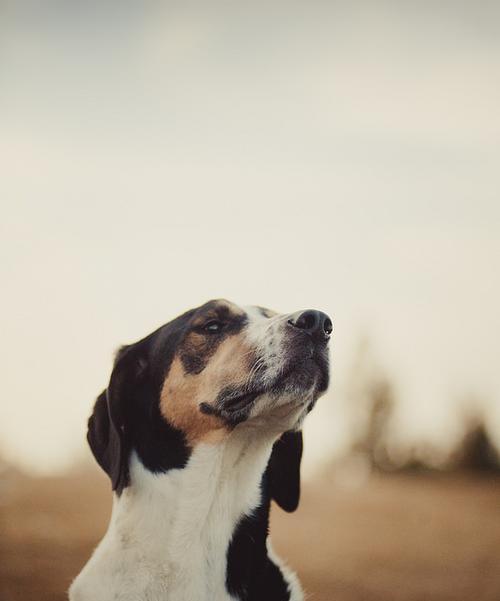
[(179, 524), (223, 476)]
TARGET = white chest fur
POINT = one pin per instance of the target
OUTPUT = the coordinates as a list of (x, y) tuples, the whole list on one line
[(169, 533)]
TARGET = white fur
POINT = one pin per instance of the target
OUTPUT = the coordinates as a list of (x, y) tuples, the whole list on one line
[(169, 533), (266, 336)]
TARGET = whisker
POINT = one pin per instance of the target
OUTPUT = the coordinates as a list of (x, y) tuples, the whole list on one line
[(259, 363)]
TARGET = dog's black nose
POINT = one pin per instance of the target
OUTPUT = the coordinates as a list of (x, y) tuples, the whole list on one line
[(316, 323)]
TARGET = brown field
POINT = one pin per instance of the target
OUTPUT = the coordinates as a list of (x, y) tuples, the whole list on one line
[(397, 538)]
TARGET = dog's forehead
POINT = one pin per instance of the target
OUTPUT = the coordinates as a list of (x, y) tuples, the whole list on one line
[(220, 308), (225, 309)]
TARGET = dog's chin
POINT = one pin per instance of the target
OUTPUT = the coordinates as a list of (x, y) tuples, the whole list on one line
[(304, 379), (293, 394), (300, 381)]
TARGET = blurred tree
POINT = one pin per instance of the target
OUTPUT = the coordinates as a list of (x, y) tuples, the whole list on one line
[(477, 451)]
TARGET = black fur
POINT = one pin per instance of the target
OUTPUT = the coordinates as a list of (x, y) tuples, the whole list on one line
[(284, 470), (105, 443), (127, 415)]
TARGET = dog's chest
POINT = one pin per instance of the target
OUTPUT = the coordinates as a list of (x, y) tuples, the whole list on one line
[(209, 504), (169, 533)]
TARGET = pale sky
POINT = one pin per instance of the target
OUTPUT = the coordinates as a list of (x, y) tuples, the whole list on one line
[(338, 156)]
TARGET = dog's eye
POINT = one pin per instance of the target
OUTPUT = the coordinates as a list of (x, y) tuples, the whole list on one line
[(213, 326)]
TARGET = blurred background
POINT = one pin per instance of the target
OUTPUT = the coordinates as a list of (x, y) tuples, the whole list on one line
[(342, 156)]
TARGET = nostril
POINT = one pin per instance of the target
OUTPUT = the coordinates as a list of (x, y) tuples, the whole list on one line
[(328, 326)]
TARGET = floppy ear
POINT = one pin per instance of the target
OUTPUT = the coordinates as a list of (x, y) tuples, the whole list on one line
[(107, 434), (284, 470)]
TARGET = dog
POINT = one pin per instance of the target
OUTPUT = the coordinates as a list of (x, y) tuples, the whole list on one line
[(198, 430)]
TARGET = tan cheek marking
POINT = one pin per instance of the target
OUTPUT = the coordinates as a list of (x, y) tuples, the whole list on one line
[(179, 406), (181, 393)]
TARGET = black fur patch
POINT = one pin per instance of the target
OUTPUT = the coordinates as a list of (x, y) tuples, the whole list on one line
[(284, 470)]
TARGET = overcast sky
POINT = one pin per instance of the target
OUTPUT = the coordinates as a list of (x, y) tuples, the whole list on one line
[(344, 156)]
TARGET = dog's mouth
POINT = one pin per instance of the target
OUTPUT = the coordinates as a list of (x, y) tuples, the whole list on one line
[(233, 407), (234, 404)]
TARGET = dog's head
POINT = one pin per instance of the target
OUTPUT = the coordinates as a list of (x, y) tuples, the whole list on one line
[(209, 371)]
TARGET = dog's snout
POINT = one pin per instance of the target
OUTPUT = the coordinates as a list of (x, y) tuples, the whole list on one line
[(315, 323)]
